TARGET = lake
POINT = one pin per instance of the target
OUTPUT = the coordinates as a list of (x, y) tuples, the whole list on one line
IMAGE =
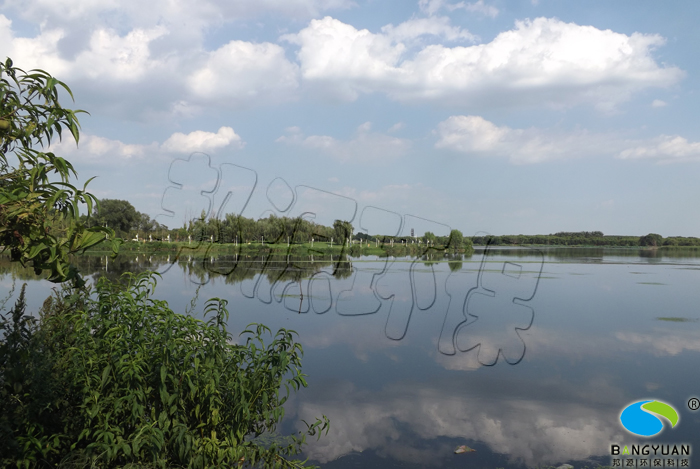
[(526, 355)]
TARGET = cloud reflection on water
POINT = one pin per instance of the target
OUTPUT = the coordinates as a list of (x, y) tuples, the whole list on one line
[(530, 424)]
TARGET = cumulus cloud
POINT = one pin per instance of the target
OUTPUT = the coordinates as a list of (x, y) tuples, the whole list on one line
[(163, 80), (244, 71), (124, 58), (200, 140), (98, 150), (103, 151), (476, 135), (107, 55), (126, 40), (364, 146), (539, 61), (664, 148)]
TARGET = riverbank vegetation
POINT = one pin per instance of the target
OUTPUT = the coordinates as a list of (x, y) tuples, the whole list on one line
[(586, 238), (117, 378), (281, 232), (113, 377), (145, 234)]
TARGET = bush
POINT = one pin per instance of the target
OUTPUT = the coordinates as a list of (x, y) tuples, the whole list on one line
[(117, 378), (39, 223)]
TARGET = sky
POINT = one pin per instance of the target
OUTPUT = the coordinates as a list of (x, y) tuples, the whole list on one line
[(487, 116)]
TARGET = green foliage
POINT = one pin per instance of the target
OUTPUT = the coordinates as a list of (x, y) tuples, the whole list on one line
[(562, 238), (39, 208), (117, 379), (117, 214), (455, 241), (652, 239), (342, 231), (681, 241)]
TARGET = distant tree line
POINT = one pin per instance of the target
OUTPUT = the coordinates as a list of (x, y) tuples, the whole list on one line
[(586, 238), (127, 222), (271, 230), (454, 241), (122, 217)]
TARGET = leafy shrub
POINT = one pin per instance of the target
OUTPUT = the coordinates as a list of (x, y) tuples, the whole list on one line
[(117, 378), (39, 223)]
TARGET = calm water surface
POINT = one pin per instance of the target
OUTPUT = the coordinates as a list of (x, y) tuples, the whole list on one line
[(526, 355)]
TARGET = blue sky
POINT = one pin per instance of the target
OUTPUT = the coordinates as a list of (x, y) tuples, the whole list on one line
[(486, 116)]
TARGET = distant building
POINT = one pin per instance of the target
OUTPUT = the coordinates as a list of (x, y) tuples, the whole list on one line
[(412, 235)]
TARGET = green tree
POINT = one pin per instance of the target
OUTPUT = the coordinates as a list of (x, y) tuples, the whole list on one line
[(467, 244), (342, 230), (455, 241), (39, 216), (652, 239), (119, 215)]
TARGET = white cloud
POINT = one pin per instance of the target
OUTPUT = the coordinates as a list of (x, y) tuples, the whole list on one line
[(539, 61), (168, 11), (100, 146), (6, 35), (364, 146), (119, 58), (244, 71), (102, 151), (165, 77), (200, 140), (37, 52), (108, 56), (294, 8), (476, 7), (396, 127), (344, 59), (433, 26), (431, 7), (476, 135), (666, 148), (658, 103)]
